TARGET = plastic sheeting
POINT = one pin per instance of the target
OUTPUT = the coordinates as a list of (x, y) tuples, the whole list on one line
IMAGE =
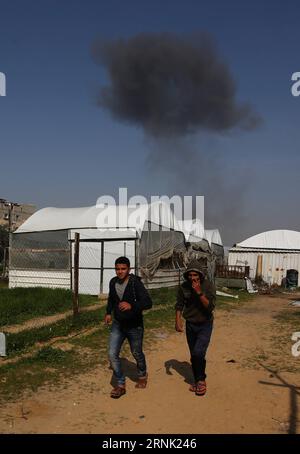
[(156, 246), (193, 229), (213, 236), (116, 217)]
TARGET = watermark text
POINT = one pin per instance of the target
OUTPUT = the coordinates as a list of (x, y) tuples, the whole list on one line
[(161, 212), (296, 346), (295, 89), (2, 84)]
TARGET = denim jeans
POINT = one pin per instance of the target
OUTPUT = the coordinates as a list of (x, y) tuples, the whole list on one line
[(135, 338), (198, 338)]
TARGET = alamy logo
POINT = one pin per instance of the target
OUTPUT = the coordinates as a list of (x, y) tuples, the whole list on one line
[(168, 213), (295, 89), (2, 84), (296, 346), (2, 345)]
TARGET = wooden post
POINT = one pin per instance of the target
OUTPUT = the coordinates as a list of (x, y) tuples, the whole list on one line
[(4, 263), (102, 267), (258, 277), (247, 271), (76, 275)]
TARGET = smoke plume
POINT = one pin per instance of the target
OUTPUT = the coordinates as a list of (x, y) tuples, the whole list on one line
[(170, 85), (178, 89)]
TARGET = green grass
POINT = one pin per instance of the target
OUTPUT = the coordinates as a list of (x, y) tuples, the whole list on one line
[(52, 366), (289, 317), (20, 304), (278, 355), (50, 355), (287, 322), (168, 296), (3, 283), (163, 295), (95, 341), (20, 342), (228, 304), (163, 300), (49, 366)]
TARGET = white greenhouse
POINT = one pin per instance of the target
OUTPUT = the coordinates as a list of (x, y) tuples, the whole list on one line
[(276, 252), (42, 249)]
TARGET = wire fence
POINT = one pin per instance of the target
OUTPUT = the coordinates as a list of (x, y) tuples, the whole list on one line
[(40, 259), (46, 259)]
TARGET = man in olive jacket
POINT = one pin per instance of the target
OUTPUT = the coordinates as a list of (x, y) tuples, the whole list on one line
[(196, 302)]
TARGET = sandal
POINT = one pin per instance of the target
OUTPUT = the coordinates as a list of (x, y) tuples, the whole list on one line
[(117, 392), (142, 382), (193, 388), (200, 388)]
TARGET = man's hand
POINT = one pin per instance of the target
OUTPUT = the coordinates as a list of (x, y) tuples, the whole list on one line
[(107, 319), (178, 322), (124, 306), (179, 326), (196, 286)]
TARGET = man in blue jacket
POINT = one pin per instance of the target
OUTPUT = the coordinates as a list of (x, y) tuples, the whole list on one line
[(126, 301)]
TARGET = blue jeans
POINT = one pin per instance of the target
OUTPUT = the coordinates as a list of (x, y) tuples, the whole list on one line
[(198, 338), (135, 339)]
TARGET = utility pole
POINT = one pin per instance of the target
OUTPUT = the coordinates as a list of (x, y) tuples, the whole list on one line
[(10, 206)]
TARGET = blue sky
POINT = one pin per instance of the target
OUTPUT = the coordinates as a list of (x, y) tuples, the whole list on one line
[(59, 149)]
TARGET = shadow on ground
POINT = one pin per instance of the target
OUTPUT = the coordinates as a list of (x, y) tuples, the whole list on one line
[(183, 368), (294, 392), (129, 369)]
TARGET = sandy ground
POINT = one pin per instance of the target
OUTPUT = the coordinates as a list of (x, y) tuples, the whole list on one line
[(243, 396)]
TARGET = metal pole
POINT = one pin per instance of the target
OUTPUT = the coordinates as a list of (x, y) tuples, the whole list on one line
[(71, 265), (102, 267), (7, 263), (76, 275), (10, 208), (136, 256)]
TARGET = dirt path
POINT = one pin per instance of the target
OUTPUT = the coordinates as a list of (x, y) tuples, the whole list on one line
[(243, 395), (47, 320)]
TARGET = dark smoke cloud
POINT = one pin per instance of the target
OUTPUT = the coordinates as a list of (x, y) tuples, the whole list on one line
[(184, 167), (170, 85)]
